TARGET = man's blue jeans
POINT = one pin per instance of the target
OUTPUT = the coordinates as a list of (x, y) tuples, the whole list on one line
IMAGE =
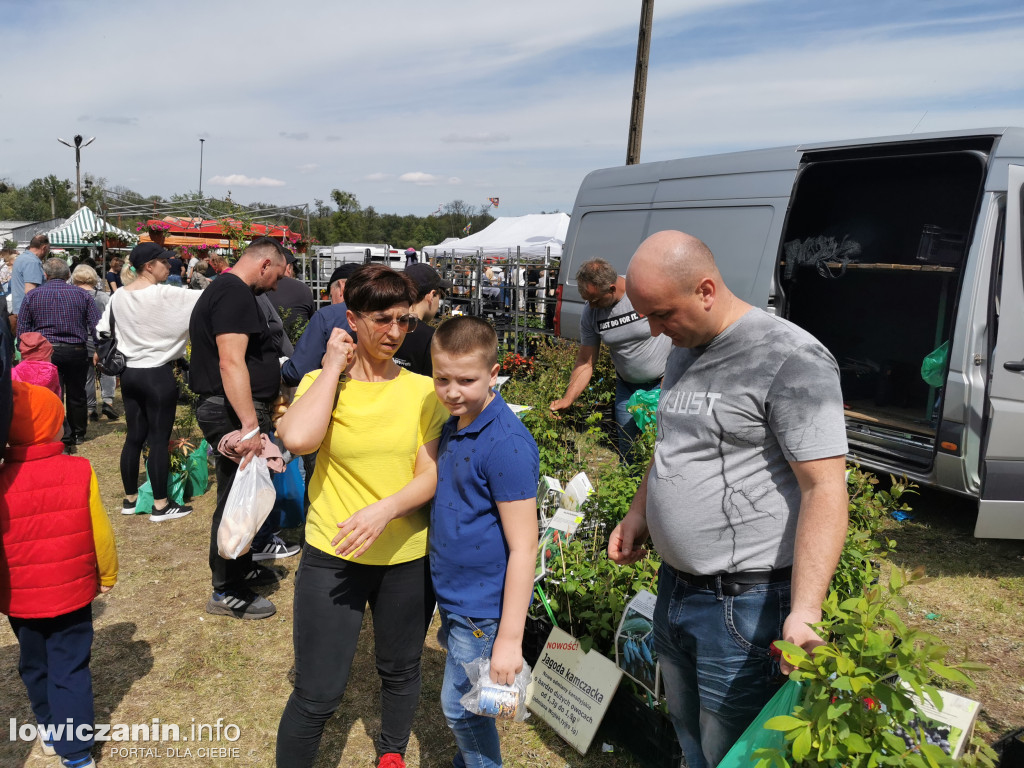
[(715, 659), (626, 429), (475, 735)]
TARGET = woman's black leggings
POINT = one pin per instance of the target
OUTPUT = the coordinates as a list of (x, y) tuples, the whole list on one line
[(150, 399), (330, 597)]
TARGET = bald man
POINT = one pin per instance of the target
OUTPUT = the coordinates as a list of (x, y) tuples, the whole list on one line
[(745, 498)]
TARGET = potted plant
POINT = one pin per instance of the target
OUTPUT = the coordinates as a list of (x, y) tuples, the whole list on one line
[(155, 229), (108, 238)]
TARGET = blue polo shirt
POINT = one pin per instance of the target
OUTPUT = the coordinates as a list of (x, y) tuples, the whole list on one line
[(493, 459)]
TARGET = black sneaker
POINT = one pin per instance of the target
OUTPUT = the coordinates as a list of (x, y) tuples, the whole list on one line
[(171, 512), (275, 549), (127, 507), (93, 416), (240, 603), (109, 412), (261, 576)]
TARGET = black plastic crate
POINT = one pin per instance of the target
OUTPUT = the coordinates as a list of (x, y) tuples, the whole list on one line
[(535, 634), (645, 733), (1011, 749)]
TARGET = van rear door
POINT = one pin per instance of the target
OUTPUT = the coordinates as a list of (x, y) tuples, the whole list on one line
[(1001, 509)]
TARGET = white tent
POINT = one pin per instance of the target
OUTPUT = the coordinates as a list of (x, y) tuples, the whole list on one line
[(533, 234), (71, 234)]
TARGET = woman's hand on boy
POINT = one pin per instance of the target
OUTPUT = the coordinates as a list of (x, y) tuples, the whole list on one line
[(357, 533), (506, 660)]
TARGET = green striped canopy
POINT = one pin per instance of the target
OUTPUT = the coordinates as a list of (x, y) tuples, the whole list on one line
[(70, 233)]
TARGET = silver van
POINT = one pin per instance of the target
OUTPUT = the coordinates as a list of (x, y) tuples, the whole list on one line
[(903, 255)]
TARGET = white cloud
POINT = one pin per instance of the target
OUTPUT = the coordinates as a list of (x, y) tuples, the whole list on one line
[(514, 107), (418, 177), (241, 180)]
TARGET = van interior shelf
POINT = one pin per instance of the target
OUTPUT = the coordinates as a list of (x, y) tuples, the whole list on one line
[(888, 267)]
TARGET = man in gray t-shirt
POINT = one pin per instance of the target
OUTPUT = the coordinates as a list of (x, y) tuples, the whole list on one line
[(638, 357), (745, 498)]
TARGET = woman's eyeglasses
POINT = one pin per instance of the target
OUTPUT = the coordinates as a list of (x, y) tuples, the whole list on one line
[(405, 323)]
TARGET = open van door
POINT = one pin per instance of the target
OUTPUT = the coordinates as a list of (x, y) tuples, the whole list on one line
[(1001, 508)]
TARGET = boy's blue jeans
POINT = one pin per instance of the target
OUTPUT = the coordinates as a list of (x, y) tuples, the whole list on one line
[(716, 664), (475, 735), (54, 665)]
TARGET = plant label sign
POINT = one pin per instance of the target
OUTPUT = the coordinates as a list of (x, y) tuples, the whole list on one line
[(634, 643), (571, 690)]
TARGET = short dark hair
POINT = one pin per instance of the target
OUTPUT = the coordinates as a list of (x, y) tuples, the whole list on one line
[(375, 287), (263, 243), (39, 241), (597, 273), (467, 335)]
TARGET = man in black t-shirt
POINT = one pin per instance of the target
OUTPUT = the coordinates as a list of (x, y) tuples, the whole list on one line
[(235, 371), (293, 300), (414, 354)]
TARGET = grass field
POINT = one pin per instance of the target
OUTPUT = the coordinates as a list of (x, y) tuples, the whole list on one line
[(158, 654)]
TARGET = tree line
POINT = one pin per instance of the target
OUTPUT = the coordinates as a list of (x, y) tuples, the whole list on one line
[(341, 219)]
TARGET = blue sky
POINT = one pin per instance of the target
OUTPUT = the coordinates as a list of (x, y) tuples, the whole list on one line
[(409, 104)]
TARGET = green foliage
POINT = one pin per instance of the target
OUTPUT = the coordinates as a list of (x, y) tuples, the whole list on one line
[(853, 700), (866, 542), (565, 442), (351, 223), (614, 489), (587, 592)]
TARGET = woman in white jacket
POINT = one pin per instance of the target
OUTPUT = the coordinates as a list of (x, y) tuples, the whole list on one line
[(151, 326)]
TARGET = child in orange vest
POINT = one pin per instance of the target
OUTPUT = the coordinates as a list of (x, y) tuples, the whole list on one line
[(56, 553)]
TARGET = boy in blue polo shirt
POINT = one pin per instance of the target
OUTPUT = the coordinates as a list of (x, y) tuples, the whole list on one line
[(483, 527)]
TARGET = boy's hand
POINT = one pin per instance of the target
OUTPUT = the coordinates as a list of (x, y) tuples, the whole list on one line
[(104, 590), (506, 661)]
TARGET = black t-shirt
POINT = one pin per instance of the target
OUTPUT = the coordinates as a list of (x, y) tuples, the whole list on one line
[(414, 354), (175, 266), (115, 278), (228, 305), (294, 302)]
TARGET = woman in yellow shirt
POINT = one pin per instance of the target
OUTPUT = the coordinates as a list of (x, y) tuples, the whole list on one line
[(376, 427)]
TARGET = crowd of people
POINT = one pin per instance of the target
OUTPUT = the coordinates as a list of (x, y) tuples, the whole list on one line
[(409, 454)]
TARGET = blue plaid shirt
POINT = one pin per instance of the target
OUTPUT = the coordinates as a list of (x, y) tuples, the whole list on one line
[(62, 313)]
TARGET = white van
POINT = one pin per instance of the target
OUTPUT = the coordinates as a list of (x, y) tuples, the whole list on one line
[(885, 249)]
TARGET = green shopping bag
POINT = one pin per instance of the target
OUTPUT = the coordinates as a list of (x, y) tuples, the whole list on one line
[(643, 404), (756, 736), (198, 468), (933, 367), (175, 492)]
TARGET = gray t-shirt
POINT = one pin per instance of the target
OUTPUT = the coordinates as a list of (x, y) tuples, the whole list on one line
[(637, 356), (721, 496)]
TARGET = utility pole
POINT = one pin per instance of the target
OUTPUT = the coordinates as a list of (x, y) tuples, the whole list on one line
[(643, 52), (201, 142)]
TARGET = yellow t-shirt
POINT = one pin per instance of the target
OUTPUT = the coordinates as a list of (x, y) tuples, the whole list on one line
[(369, 453)]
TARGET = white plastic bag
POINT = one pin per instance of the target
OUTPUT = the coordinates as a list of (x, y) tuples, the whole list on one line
[(250, 500), (502, 702)]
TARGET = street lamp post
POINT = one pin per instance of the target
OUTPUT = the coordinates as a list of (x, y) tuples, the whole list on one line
[(77, 146), (201, 142)]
